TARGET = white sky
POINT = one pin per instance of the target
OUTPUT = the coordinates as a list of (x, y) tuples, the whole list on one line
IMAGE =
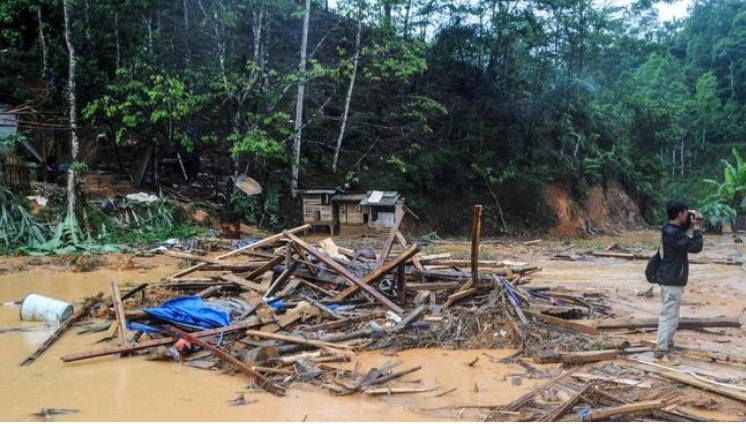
[(666, 12)]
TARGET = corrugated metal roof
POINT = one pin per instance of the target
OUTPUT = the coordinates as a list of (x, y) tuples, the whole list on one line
[(380, 198), (318, 191), (348, 197)]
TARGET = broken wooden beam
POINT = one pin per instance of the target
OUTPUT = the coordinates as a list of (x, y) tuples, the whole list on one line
[(458, 296), (265, 241), (589, 356), (241, 282), (119, 312), (153, 343), (564, 323), (476, 225), (629, 408), (685, 323), (264, 268), (346, 274), (398, 218), (300, 340), (379, 273), (565, 406), (260, 380)]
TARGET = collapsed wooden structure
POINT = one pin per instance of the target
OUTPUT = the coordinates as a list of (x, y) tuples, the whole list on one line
[(336, 303)]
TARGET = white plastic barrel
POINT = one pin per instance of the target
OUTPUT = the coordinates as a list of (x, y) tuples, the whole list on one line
[(35, 307)]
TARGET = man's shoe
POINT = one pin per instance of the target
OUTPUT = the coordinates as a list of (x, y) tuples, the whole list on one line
[(667, 360)]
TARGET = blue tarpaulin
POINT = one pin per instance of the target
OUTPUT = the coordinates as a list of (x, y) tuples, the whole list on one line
[(191, 311)]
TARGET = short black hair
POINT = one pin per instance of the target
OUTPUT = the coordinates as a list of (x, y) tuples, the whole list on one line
[(674, 207)]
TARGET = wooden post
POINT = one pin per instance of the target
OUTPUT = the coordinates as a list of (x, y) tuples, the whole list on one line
[(119, 312), (401, 285), (390, 239), (476, 224)]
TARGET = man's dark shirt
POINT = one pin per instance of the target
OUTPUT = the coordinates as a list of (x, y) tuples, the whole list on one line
[(674, 270)]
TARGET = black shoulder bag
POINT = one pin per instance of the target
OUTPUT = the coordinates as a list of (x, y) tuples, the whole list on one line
[(654, 264)]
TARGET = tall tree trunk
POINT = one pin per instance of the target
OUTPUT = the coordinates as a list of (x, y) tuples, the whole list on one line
[(118, 42), (257, 30), (188, 50), (221, 45), (356, 61), (299, 103), (73, 114), (44, 52)]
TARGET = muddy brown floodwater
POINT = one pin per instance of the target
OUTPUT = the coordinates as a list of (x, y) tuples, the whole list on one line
[(133, 389)]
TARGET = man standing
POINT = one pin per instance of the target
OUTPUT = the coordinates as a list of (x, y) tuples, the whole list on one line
[(674, 271)]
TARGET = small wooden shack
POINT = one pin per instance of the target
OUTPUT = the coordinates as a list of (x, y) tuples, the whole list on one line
[(372, 212), (12, 165), (348, 213), (317, 207), (381, 207)]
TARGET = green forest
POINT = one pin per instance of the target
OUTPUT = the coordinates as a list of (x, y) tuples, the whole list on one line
[(452, 103)]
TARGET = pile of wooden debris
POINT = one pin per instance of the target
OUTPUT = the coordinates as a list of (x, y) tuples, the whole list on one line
[(294, 308)]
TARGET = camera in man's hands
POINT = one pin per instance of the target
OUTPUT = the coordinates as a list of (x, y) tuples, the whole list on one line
[(692, 215)]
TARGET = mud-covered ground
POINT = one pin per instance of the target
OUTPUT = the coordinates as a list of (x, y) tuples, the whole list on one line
[(132, 389)]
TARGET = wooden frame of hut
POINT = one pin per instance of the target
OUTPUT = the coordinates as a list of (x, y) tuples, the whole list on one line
[(317, 207), (13, 169), (381, 208), (349, 213)]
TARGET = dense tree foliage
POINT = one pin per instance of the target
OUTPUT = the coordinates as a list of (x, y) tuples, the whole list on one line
[(451, 103)]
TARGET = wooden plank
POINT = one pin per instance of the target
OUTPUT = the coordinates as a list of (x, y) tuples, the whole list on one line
[(264, 268), (564, 323), (289, 288), (298, 340), (565, 406), (379, 273), (518, 403), (263, 382), (346, 274), (185, 271), (458, 296), (265, 241), (119, 312), (446, 285), (413, 315), (321, 306), (685, 323), (290, 270), (61, 329), (153, 343), (345, 322), (618, 380), (403, 242), (398, 390), (193, 258), (476, 225), (393, 376), (704, 385), (629, 408), (399, 217), (589, 356), (291, 316), (242, 282), (204, 294)]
